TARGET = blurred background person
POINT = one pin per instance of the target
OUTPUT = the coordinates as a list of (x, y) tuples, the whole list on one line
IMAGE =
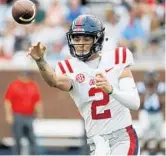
[(22, 105), (133, 36), (75, 8), (55, 15), (112, 28), (3, 54), (151, 114), (154, 52), (40, 13)]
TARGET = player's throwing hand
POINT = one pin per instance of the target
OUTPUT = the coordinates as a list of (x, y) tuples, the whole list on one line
[(37, 51), (102, 83)]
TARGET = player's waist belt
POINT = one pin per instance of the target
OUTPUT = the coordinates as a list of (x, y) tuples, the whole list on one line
[(114, 134)]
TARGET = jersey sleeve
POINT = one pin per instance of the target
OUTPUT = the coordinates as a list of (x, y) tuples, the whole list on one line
[(130, 59), (64, 67), (123, 58)]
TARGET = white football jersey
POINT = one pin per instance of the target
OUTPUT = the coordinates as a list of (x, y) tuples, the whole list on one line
[(101, 112)]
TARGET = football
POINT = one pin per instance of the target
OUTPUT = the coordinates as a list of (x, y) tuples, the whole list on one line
[(24, 11)]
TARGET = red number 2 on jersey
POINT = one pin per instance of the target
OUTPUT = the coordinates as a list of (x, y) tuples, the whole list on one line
[(107, 113)]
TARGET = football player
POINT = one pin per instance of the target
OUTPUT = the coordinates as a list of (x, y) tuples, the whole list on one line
[(151, 116), (102, 86)]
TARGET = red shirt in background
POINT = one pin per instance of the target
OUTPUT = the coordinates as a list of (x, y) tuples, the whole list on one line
[(151, 2), (23, 97)]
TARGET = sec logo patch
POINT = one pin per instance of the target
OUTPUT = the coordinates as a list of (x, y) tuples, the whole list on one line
[(80, 78)]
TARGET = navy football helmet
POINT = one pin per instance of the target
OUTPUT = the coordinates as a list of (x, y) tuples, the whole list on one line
[(86, 25)]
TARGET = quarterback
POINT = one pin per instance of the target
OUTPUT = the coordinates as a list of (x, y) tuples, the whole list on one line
[(101, 84)]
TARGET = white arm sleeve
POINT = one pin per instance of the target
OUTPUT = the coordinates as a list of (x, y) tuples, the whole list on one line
[(127, 93)]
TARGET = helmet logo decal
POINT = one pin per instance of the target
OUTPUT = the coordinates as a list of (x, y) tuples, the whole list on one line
[(80, 78), (97, 48), (99, 34)]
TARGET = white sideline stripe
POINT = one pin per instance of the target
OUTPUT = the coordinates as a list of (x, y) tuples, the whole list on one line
[(51, 142), (69, 128), (59, 127), (71, 131)]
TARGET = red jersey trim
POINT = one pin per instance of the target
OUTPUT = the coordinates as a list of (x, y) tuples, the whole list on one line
[(69, 66), (124, 55), (117, 56), (61, 67)]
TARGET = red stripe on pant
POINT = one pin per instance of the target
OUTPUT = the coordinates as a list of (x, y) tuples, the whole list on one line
[(133, 141)]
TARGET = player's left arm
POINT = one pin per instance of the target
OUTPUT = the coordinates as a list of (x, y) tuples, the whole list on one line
[(126, 92)]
